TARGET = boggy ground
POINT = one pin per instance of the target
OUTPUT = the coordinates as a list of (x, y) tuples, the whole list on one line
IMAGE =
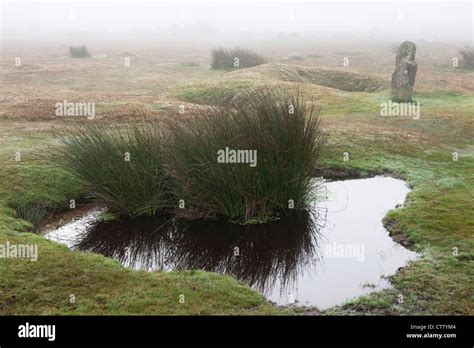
[(436, 220)]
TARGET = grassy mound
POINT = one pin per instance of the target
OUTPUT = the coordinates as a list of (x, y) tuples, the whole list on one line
[(313, 82), (214, 92), (342, 80)]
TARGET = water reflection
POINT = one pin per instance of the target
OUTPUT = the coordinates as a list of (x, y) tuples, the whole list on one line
[(258, 255), (295, 258)]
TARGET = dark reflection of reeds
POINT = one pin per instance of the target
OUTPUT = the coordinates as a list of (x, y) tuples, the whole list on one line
[(140, 243), (268, 254)]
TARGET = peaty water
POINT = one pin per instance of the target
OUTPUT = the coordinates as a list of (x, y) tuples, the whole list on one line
[(321, 258)]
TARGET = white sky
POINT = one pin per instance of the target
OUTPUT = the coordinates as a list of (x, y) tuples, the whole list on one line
[(431, 20)]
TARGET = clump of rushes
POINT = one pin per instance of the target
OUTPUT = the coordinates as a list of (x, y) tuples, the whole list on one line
[(33, 212), (467, 58), (236, 58), (284, 131), (79, 52), (121, 166)]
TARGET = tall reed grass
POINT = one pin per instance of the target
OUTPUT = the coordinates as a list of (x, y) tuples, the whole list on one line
[(120, 165), (180, 169), (33, 212), (284, 131)]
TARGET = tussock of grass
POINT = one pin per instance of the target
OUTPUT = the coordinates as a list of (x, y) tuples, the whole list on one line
[(467, 58), (287, 145), (236, 58), (79, 52), (32, 212), (120, 166), (167, 168)]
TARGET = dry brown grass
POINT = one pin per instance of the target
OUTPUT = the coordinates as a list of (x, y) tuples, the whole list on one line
[(145, 89)]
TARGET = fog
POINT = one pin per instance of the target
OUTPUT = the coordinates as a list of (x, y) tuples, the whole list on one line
[(215, 21)]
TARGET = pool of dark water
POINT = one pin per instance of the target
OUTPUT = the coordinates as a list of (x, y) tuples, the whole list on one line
[(337, 251)]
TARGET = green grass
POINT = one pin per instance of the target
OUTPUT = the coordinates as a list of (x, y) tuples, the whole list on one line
[(212, 93), (436, 218), (100, 285)]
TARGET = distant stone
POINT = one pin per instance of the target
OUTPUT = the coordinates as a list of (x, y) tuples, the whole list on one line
[(403, 78), (293, 56)]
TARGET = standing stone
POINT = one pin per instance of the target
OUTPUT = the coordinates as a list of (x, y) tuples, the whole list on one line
[(403, 78)]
